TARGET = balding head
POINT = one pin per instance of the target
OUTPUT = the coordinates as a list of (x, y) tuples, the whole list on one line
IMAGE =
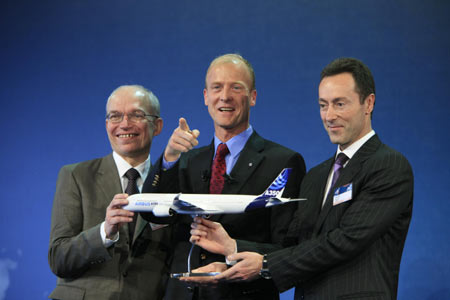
[(132, 121), (237, 60), (149, 100)]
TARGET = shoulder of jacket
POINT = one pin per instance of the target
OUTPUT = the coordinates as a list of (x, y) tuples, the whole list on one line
[(91, 164)]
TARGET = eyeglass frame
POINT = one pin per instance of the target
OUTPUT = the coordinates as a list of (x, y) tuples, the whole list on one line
[(133, 114)]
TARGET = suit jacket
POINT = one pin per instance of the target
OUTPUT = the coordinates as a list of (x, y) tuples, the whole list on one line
[(85, 268), (259, 163), (350, 250)]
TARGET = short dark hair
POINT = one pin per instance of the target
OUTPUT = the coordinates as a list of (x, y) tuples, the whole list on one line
[(365, 85)]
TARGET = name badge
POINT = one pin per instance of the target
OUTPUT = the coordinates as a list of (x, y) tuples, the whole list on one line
[(342, 194)]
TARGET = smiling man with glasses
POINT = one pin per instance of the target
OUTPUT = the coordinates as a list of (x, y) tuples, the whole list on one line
[(97, 249), (131, 136)]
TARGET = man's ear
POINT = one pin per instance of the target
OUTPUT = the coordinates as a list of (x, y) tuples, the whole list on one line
[(158, 123), (253, 94), (205, 96), (369, 103)]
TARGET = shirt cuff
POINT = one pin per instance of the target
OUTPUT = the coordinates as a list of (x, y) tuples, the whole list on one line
[(168, 164), (107, 242), (231, 262)]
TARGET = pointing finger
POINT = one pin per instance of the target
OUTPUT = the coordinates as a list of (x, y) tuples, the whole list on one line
[(183, 124)]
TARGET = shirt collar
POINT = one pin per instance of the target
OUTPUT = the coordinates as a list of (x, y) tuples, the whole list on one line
[(351, 150), (123, 166), (236, 143)]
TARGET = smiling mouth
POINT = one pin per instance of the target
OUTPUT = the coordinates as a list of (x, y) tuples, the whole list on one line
[(226, 109), (335, 129), (129, 135)]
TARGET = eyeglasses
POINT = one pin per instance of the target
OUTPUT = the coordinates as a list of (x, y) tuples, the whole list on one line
[(135, 117)]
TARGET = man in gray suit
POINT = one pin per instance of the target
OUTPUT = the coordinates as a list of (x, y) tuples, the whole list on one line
[(94, 250), (347, 242)]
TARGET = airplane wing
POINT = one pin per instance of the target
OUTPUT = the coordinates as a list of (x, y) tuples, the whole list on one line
[(276, 201), (186, 207)]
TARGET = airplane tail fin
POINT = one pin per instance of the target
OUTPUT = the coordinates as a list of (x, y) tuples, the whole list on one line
[(272, 195)]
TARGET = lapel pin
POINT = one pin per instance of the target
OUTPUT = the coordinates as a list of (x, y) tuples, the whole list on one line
[(156, 180), (250, 164)]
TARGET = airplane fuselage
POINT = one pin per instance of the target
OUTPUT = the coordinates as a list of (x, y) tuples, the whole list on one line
[(163, 205), (201, 203)]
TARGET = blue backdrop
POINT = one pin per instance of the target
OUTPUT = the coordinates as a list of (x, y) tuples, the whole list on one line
[(59, 61)]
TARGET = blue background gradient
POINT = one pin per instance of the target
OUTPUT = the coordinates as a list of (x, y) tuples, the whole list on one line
[(59, 61)]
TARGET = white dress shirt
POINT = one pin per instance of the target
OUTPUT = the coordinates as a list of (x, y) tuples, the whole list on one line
[(122, 167), (349, 151)]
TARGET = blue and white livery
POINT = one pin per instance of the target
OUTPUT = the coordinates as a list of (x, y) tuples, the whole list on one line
[(163, 205)]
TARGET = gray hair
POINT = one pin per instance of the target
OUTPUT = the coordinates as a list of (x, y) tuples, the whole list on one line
[(145, 94)]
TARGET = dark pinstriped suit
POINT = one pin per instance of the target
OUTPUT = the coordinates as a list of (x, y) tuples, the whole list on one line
[(259, 163), (351, 250)]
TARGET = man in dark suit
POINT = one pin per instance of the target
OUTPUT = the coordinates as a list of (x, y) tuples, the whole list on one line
[(93, 250), (347, 242), (252, 163)]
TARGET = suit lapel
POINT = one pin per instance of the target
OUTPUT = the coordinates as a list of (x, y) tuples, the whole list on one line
[(107, 179), (140, 226), (321, 179), (249, 159), (153, 175), (347, 176), (312, 188), (108, 182), (202, 162)]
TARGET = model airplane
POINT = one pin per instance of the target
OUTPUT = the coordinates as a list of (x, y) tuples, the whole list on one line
[(164, 205)]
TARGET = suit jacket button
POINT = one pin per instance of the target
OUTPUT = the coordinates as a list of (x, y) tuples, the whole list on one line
[(203, 256)]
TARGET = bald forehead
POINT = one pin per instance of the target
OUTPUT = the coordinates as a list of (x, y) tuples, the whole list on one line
[(235, 63), (129, 93)]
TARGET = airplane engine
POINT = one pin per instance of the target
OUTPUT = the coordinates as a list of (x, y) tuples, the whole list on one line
[(162, 211)]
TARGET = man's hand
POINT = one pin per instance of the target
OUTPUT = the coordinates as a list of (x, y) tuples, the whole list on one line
[(212, 237), (209, 281), (246, 269), (116, 216), (182, 140)]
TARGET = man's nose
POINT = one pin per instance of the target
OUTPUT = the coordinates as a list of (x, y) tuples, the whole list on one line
[(330, 114), (125, 121), (225, 94)]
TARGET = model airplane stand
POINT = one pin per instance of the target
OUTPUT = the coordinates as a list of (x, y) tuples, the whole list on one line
[(189, 272)]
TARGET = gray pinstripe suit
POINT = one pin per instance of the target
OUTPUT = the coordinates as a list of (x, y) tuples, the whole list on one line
[(351, 250)]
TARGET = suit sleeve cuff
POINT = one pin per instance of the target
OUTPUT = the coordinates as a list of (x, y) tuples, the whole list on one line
[(166, 165), (107, 242), (231, 262)]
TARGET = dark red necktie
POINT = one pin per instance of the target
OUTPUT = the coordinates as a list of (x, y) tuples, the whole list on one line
[(218, 170), (132, 175)]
